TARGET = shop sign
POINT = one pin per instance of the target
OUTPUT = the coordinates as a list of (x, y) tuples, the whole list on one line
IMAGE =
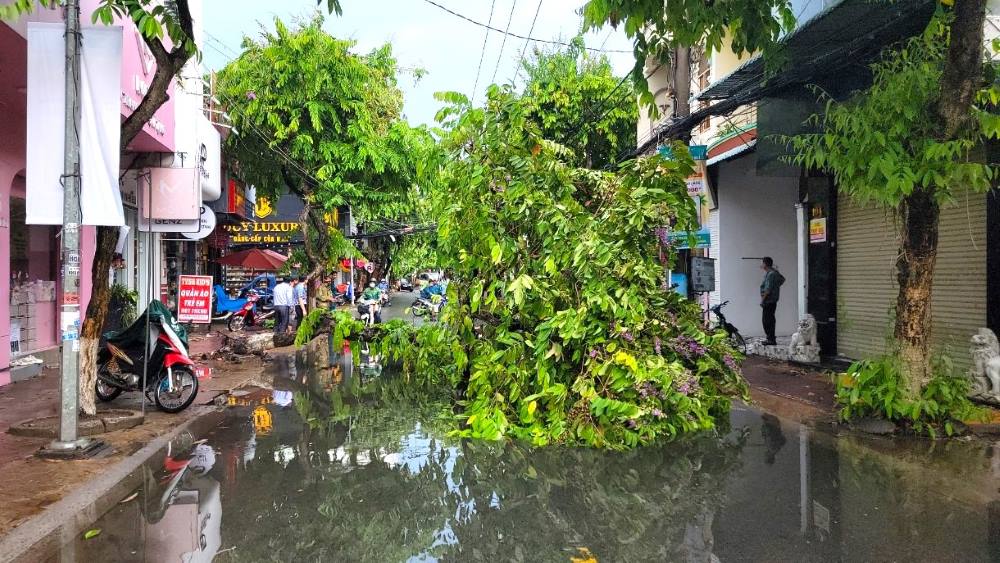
[(205, 226), (703, 239), (236, 199), (817, 230), (263, 232), (194, 302), (172, 193)]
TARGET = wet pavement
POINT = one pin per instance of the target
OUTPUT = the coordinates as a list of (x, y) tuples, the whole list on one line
[(338, 463)]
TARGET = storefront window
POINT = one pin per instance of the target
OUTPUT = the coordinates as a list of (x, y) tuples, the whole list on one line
[(34, 256)]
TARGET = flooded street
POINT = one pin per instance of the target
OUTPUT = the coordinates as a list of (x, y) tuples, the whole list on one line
[(342, 464)]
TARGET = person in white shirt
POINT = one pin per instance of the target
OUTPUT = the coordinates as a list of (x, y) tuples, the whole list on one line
[(284, 300)]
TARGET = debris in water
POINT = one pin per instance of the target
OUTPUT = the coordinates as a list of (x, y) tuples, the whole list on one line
[(129, 498), (91, 534)]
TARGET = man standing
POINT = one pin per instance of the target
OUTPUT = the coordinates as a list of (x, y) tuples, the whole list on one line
[(283, 300), (770, 291), (301, 297)]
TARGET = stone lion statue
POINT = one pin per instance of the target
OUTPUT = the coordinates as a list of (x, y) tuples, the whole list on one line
[(985, 372), (805, 336)]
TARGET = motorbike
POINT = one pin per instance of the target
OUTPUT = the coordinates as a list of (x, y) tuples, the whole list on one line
[(368, 309), (735, 338), (428, 307), (223, 306), (248, 315), (161, 353), (384, 299)]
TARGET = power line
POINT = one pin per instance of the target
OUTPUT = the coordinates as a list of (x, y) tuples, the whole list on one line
[(482, 55), (526, 38), (502, 43), (524, 49)]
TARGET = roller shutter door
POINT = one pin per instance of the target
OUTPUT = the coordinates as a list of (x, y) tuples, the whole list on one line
[(866, 282)]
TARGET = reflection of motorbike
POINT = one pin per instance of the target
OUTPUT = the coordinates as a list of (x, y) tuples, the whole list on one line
[(179, 491), (171, 379), (370, 364)]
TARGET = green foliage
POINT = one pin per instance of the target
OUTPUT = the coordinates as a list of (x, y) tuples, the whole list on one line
[(884, 143), (875, 388), (128, 299), (557, 328), (323, 123), (656, 26), (565, 87)]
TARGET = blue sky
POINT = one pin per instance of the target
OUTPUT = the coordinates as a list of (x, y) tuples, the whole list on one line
[(422, 35)]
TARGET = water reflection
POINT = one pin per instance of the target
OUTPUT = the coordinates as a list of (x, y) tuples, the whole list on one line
[(343, 464)]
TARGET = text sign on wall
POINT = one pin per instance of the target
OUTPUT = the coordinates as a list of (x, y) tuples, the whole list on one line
[(817, 230), (702, 274), (194, 301)]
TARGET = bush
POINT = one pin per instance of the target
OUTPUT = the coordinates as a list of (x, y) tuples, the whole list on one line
[(875, 388)]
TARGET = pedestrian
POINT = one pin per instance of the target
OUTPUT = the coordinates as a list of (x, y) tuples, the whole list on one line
[(324, 293), (301, 299), (770, 292), (284, 298)]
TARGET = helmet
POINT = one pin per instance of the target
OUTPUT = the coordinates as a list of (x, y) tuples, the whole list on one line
[(371, 284)]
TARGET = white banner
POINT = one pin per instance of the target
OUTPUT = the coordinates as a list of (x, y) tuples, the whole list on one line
[(100, 124)]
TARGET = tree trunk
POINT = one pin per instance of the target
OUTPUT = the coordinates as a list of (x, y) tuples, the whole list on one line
[(919, 212), (919, 215), (168, 65), (97, 312)]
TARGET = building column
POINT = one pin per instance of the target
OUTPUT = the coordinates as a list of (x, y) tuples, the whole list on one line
[(5, 181), (802, 241)]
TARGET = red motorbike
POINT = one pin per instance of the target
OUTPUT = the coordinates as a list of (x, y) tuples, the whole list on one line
[(248, 314), (161, 353)]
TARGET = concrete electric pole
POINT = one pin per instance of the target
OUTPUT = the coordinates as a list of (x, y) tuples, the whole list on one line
[(68, 441)]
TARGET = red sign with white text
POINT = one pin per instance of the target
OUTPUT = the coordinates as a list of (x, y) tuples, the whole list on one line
[(194, 299)]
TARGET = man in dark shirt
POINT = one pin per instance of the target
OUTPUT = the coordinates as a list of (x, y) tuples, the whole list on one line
[(770, 291)]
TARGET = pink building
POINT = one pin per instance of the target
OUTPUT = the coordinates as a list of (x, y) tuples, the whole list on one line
[(29, 254)]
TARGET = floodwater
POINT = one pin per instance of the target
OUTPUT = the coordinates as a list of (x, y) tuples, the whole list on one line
[(340, 465)]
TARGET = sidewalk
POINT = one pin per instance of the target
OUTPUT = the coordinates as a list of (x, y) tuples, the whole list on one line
[(800, 393), (30, 484)]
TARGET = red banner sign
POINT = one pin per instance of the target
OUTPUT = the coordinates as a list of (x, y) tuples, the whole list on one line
[(194, 300)]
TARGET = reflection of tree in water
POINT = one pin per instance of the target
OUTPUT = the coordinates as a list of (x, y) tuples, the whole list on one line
[(774, 438), (379, 484)]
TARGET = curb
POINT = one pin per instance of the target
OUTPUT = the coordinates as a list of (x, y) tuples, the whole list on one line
[(36, 536)]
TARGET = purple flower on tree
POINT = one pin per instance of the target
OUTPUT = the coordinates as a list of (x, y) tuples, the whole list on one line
[(251, 95), (658, 345)]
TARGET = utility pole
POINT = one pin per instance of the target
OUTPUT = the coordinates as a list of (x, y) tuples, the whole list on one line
[(72, 217)]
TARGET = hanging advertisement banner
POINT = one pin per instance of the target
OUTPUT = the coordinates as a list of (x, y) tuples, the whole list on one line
[(194, 303), (100, 125)]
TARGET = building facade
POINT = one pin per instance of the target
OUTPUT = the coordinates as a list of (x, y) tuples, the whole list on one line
[(838, 256)]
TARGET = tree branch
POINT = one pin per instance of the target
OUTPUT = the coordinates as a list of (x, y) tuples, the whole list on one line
[(168, 65)]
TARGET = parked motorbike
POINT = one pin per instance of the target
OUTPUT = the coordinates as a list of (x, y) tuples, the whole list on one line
[(735, 338), (170, 377), (223, 306), (248, 315)]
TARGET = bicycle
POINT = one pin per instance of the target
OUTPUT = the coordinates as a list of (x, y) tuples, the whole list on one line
[(735, 338)]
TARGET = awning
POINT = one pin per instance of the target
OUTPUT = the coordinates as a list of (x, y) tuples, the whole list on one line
[(736, 151)]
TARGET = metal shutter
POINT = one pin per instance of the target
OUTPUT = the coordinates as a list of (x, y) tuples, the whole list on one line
[(866, 278)]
